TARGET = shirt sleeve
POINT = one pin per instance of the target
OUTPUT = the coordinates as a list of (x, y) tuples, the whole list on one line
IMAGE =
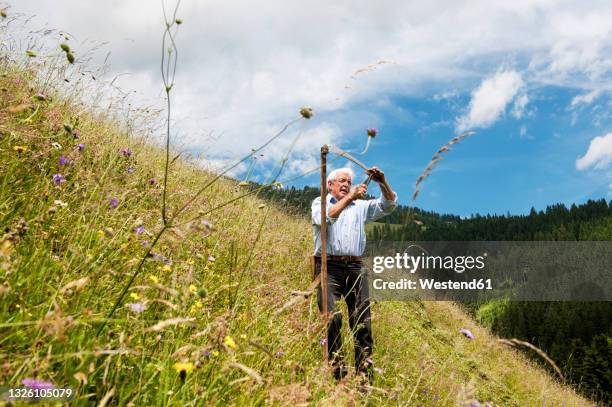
[(316, 213), (377, 208)]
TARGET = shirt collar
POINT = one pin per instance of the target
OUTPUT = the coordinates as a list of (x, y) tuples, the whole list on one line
[(332, 200)]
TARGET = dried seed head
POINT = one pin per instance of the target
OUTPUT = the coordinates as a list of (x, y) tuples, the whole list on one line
[(178, 21), (3, 13), (65, 47), (306, 112), (70, 57), (372, 132), (30, 53)]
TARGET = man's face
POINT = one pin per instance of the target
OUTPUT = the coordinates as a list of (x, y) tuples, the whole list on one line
[(341, 186)]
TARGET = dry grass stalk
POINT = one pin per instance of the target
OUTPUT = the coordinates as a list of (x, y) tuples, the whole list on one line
[(169, 322), (514, 342), (254, 375), (435, 159)]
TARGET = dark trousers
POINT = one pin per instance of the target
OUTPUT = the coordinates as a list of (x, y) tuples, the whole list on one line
[(348, 280)]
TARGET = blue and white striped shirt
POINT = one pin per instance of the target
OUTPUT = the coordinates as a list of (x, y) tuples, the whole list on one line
[(346, 234)]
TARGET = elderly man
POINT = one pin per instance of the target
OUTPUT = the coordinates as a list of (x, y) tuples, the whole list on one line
[(347, 215)]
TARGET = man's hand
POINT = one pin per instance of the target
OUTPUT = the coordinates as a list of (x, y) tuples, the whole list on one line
[(377, 175), (359, 191)]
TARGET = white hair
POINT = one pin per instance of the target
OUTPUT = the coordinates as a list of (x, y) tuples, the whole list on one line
[(334, 174)]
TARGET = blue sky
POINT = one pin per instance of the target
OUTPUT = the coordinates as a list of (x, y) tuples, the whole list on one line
[(531, 78)]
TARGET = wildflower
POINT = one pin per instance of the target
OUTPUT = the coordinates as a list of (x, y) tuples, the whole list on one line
[(139, 229), (436, 397), (215, 353), (229, 342), (100, 233), (193, 289), (372, 132), (81, 146), (62, 160), (130, 170), (167, 268), (152, 181), (126, 152), (468, 334), (280, 354), (145, 243), (206, 353), (154, 279), (20, 149), (370, 361), (136, 307), (183, 368), (135, 296), (322, 341), (166, 260), (191, 262), (378, 370), (306, 112), (196, 307), (58, 179), (114, 202), (61, 203), (76, 134), (211, 258), (37, 384), (65, 47)]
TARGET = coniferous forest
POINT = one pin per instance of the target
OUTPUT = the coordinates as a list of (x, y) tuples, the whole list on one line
[(576, 335)]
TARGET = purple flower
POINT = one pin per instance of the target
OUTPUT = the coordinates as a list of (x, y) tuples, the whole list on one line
[(58, 179), (145, 243), (322, 341), (436, 397), (475, 403), (81, 147), (76, 134), (167, 260), (206, 353), (372, 132), (370, 361), (468, 334), (136, 307), (130, 170), (139, 229), (378, 370), (114, 202), (62, 160), (37, 384), (152, 181), (280, 354), (126, 152)]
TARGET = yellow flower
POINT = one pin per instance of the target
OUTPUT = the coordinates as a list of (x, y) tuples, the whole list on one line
[(243, 336), (229, 342), (100, 233), (215, 353), (193, 289), (196, 306), (186, 367), (135, 296), (191, 262), (154, 279), (20, 149), (167, 268)]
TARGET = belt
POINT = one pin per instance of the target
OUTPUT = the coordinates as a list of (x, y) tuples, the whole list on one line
[(340, 258)]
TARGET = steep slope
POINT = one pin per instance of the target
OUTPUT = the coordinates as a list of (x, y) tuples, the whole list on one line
[(205, 320)]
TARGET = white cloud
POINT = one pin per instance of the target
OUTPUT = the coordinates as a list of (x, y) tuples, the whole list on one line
[(518, 110), (598, 155), (244, 71), (490, 99), (585, 98)]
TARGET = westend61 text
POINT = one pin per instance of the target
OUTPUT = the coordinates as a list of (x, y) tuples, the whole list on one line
[(431, 284)]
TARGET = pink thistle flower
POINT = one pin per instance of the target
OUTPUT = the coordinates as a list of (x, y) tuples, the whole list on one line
[(114, 202), (81, 146), (372, 132), (37, 384)]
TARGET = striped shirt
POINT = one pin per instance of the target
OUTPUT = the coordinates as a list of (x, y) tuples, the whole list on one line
[(346, 234)]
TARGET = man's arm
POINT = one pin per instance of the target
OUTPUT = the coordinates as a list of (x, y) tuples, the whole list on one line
[(358, 192), (384, 205)]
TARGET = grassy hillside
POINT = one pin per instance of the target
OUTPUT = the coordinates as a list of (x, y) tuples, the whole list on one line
[(204, 322)]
